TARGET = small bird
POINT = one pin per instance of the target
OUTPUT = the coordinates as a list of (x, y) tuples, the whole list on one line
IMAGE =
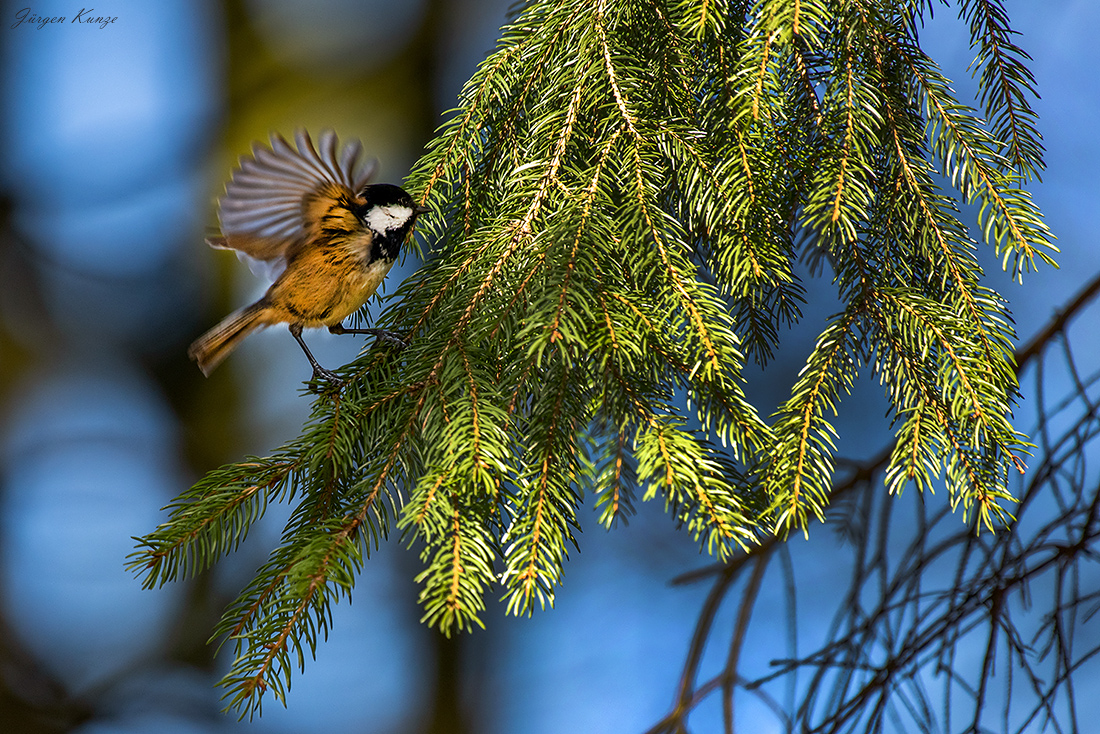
[(311, 214)]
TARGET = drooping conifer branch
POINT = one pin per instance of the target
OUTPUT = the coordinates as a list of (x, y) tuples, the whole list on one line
[(621, 199)]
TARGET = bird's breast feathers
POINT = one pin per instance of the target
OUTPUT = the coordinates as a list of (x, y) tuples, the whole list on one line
[(361, 285)]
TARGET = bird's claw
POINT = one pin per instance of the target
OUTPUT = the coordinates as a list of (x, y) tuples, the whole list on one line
[(391, 337), (382, 334), (328, 377)]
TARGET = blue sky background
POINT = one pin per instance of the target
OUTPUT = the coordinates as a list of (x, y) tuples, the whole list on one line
[(117, 140)]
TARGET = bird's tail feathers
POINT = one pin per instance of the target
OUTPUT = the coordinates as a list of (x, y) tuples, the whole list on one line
[(215, 345)]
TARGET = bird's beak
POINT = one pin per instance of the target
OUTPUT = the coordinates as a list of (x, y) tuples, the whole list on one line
[(422, 210)]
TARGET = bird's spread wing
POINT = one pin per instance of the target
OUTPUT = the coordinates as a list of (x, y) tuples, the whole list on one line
[(261, 212)]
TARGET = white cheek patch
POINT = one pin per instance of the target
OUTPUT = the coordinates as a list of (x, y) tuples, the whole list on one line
[(384, 218)]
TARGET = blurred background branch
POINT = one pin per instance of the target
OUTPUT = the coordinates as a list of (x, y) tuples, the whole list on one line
[(942, 628)]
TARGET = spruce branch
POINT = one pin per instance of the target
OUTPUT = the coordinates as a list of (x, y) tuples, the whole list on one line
[(621, 197), (1006, 84)]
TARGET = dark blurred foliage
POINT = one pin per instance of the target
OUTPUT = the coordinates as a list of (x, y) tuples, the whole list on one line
[(80, 327)]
